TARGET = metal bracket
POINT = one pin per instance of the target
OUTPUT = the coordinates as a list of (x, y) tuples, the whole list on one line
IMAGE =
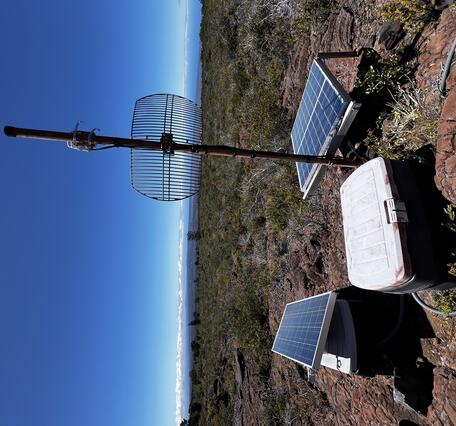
[(73, 143), (338, 55), (83, 144), (91, 135), (167, 142), (396, 211), (75, 131)]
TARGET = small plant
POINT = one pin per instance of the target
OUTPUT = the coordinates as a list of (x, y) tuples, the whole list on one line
[(412, 14), (410, 124), (383, 148), (446, 301), (452, 267), (450, 211), (300, 27), (379, 75), (309, 15), (413, 123)]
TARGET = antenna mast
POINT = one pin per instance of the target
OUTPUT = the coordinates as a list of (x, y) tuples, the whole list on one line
[(88, 141)]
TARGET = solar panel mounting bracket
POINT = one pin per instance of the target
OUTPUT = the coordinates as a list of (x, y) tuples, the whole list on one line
[(338, 55)]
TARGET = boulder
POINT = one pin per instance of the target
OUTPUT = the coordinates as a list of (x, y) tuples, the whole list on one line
[(389, 34), (433, 53)]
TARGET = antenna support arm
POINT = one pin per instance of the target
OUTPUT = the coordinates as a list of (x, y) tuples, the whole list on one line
[(169, 146)]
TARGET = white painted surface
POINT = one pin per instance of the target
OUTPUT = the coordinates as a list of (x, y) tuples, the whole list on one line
[(374, 240)]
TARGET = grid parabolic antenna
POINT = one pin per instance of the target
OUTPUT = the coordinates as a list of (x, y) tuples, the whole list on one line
[(304, 329), (324, 115), (166, 176)]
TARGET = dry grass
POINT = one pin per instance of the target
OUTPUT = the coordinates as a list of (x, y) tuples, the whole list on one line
[(410, 125)]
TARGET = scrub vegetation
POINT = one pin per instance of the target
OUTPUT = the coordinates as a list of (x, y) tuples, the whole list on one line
[(251, 213), (446, 301), (408, 125), (412, 14), (248, 212)]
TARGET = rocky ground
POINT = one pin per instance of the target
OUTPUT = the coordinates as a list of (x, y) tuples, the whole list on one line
[(384, 398), (411, 376)]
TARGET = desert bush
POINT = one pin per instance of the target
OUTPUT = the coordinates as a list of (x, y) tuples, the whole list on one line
[(309, 15), (410, 124), (450, 211), (412, 14), (307, 407), (248, 318), (413, 122), (245, 50), (380, 75), (446, 301), (450, 224)]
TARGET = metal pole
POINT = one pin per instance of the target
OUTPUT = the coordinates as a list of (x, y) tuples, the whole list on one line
[(169, 146), (80, 137), (338, 55)]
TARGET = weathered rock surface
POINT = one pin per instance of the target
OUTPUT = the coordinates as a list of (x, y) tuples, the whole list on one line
[(317, 263), (389, 34), (443, 410), (347, 30), (247, 399), (433, 53), (446, 144), (320, 265)]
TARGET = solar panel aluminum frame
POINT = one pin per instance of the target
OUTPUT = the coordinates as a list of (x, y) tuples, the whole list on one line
[(336, 134), (321, 342), (318, 170)]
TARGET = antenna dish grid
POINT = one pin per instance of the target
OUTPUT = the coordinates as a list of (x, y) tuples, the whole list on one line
[(166, 175)]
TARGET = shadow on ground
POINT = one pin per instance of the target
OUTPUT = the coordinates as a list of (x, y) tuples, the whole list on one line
[(388, 331)]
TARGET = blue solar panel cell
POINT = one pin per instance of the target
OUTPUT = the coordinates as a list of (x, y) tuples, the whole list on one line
[(321, 110), (303, 330)]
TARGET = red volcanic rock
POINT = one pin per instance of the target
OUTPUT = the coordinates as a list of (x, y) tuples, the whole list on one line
[(443, 410), (389, 34), (433, 53), (446, 147), (294, 79), (346, 30), (316, 262)]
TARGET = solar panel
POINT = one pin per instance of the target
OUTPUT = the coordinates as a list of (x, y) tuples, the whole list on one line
[(304, 328), (323, 109)]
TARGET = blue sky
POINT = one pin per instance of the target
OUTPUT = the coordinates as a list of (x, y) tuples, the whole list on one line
[(88, 288)]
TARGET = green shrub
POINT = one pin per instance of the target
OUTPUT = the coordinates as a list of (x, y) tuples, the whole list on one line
[(450, 223), (452, 268), (248, 313), (311, 14), (450, 211), (410, 124), (412, 14), (380, 75), (446, 302)]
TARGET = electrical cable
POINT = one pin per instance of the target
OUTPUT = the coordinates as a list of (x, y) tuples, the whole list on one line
[(105, 147), (446, 69), (425, 306), (398, 322)]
